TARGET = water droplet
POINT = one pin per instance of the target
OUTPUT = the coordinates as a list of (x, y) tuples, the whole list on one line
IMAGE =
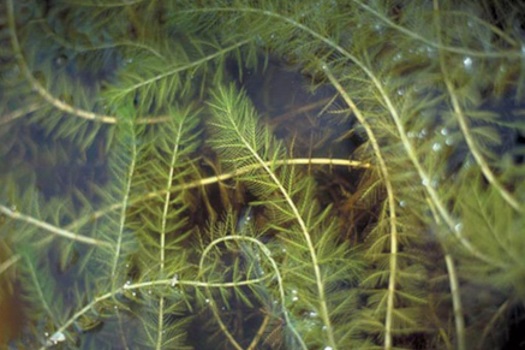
[(444, 131), (402, 203), (449, 141), (458, 227), (328, 348), (207, 301), (422, 133), (425, 181), (436, 147), (312, 314)]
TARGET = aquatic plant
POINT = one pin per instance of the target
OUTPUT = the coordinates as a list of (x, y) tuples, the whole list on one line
[(152, 198)]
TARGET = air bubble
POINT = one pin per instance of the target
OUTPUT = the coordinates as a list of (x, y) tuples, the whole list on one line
[(56, 338), (467, 63), (60, 61), (378, 27), (398, 57), (174, 280), (294, 297)]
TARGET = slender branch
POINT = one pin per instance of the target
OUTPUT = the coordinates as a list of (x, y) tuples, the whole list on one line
[(124, 207), (163, 230), (391, 204), (185, 67), (217, 179), (88, 115), (35, 84), (8, 263), (266, 252), (456, 302), (403, 135), (20, 112), (471, 142), (81, 312), (439, 45), (51, 228)]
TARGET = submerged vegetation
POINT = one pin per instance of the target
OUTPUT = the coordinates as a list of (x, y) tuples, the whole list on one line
[(263, 175)]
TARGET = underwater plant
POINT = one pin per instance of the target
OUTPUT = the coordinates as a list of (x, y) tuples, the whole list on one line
[(262, 175)]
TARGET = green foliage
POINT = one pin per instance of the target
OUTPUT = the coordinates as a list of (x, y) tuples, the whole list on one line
[(133, 151)]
